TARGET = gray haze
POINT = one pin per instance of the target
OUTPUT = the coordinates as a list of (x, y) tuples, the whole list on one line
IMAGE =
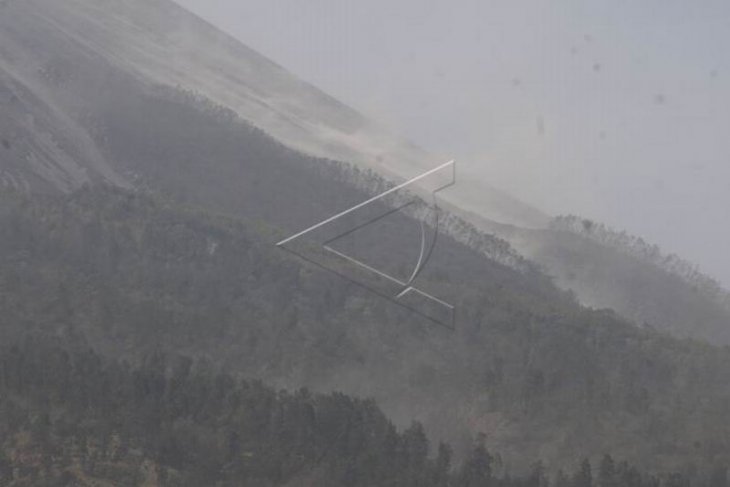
[(613, 110)]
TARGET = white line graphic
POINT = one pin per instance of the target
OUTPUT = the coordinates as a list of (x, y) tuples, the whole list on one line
[(382, 283)]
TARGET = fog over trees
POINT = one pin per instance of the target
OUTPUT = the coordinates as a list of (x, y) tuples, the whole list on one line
[(152, 333)]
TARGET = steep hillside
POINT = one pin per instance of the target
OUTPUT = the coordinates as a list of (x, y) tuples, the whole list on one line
[(85, 89), (75, 418), (184, 261), (539, 376), (608, 269), (72, 48), (41, 147)]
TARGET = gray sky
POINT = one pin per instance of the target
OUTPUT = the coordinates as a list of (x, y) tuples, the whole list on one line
[(616, 110)]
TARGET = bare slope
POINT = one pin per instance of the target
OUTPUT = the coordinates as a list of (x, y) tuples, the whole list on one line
[(158, 42)]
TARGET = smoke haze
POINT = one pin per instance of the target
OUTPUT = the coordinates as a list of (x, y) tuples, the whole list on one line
[(616, 111)]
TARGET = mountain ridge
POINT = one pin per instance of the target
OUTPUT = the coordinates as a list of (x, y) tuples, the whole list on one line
[(540, 376), (73, 74), (149, 39), (185, 261)]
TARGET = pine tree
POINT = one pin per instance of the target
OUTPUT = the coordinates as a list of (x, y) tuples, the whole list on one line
[(584, 476), (477, 469), (607, 472)]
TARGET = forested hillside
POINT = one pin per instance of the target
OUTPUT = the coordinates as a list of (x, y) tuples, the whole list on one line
[(137, 230), (73, 418), (82, 107), (182, 134), (70, 417), (636, 247), (610, 269), (542, 378)]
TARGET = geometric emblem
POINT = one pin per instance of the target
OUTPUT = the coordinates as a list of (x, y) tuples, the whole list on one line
[(341, 243)]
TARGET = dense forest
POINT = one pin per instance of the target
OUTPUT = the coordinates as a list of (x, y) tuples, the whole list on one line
[(72, 418), (544, 379)]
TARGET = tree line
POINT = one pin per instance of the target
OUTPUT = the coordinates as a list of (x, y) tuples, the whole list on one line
[(70, 417)]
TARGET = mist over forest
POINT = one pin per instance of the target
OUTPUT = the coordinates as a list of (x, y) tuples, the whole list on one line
[(154, 331)]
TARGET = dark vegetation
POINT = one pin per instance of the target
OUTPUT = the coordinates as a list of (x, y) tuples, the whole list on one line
[(70, 417), (702, 285), (130, 275), (615, 270), (641, 249), (185, 266)]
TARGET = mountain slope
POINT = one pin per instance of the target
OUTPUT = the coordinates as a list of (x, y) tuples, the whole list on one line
[(77, 76), (75, 418), (42, 148), (158, 42), (608, 269), (541, 377), (197, 273)]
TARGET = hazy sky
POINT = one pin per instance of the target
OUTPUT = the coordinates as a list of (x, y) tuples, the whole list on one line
[(616, 110)]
